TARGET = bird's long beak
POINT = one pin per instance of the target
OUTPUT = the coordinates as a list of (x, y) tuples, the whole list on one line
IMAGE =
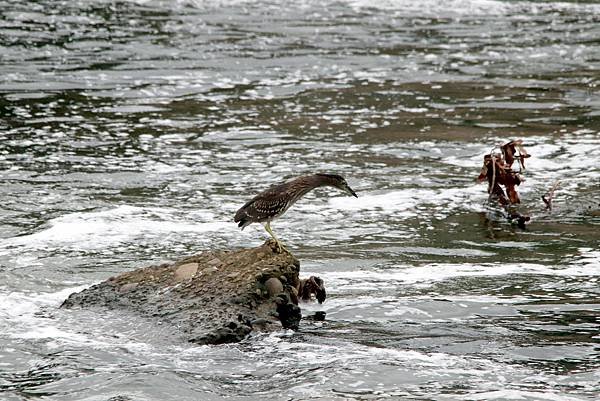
[(351, 192)]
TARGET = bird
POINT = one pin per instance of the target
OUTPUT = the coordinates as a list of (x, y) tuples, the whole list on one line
[(276, 200)]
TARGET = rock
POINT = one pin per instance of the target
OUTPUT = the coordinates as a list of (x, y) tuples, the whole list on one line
[(213, 297), (128, 287), (289, 314), (273, 286), (186, 271), (320, 316)]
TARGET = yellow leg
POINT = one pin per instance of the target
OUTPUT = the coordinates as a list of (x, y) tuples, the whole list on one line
[(279, 244)]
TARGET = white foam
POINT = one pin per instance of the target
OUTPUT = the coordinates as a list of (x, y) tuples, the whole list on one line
[(31, 316), (399, 200), (432, 273), (94, 230), (324, 353), (510, 394), (470, 7), (422, 8), (590, 258), (20, 312), (408, 203), (394, 200)]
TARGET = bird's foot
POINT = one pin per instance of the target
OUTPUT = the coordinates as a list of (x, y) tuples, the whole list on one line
[(282, 248), (277, 246)]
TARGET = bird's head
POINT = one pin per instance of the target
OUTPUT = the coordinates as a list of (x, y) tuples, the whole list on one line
[(339, 182)]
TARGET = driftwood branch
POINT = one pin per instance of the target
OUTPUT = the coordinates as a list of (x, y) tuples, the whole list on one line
[(502, 179)]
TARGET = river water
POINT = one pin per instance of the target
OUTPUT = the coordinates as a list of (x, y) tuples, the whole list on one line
[(131, 132)]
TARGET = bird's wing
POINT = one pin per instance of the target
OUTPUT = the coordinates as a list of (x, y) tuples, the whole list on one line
[(272, 206), (267, 204)]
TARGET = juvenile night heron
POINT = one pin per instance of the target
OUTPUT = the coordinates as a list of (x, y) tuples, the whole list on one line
[(275, 201)]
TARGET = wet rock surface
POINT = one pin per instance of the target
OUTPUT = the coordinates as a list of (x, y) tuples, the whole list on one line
[(214, 297)]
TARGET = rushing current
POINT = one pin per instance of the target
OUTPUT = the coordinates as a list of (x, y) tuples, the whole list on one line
[(131, 132)]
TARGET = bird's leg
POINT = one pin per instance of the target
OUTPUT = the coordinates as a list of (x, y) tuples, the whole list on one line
[(279, 244)]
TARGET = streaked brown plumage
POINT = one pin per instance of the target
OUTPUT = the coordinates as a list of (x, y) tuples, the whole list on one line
[(275, 201)]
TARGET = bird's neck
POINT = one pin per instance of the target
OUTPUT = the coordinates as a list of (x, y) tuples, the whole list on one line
[(316, 181), (311, 182)]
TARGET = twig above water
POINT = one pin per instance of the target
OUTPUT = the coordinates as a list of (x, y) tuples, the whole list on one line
[(548, 196)]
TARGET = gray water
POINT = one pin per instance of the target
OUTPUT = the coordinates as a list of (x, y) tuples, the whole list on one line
[(131, 132)]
